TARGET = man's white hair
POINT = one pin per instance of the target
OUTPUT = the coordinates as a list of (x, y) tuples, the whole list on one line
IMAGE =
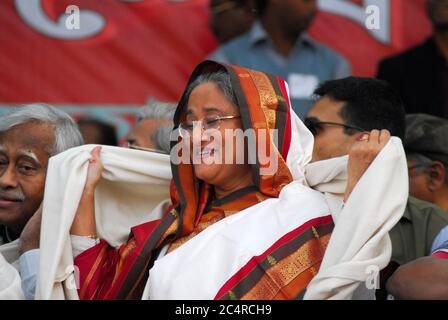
[(66, 132), (156, 109), (161, 111)]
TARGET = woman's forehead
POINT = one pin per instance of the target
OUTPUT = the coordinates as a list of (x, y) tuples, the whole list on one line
[(191, 110)]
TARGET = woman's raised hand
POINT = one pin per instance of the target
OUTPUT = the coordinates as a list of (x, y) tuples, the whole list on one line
[(84, 223), (95, 169)]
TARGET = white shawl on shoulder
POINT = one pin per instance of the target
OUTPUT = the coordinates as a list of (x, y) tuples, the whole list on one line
[(360, 245), (10, 283), (134, 189)]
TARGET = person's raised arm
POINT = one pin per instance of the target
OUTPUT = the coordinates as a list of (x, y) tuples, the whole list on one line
[(84, 222)]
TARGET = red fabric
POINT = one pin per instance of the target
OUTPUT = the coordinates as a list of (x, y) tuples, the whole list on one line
[(288, 131), (148, 48), (99, 265), (409, 26), (440, 254), (253, 262)]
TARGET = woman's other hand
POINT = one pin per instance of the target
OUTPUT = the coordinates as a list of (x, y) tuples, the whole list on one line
[(361, 155)]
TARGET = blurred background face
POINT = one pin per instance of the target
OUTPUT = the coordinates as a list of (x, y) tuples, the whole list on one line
[(95, 131), (206, 102), (229, 19), (419, 182), (296, 15), (90, 133), (438, 13), (329, 141), (23, 166), (142, 135)]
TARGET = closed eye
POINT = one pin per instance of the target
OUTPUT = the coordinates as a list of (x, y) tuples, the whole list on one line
[(212, 121)]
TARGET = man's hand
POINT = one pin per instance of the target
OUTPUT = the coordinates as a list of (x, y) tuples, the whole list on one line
[(30, 237), (361, 155)]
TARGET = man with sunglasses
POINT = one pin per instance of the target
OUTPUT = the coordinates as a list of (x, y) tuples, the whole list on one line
[(348, 110)]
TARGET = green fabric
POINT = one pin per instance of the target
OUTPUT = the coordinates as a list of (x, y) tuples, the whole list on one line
[(414, 234)]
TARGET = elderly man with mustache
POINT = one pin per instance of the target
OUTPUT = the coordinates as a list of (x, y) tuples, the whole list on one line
[(29, 136)]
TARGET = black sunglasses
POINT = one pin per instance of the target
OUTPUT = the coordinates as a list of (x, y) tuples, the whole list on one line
[(315, 125)]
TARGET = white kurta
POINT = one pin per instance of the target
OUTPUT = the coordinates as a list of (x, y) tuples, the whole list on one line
[(10, 283)]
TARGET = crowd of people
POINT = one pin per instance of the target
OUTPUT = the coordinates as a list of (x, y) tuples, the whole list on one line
[(277, 175)]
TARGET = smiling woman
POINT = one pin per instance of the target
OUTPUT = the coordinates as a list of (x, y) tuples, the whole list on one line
[(211, 103), (230, 228)]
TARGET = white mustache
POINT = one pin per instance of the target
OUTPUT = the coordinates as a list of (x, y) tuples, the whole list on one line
[(15, 195)]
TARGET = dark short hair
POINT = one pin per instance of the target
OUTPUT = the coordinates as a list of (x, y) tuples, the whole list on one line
[(369, 103), (260, 6), (108, 132)]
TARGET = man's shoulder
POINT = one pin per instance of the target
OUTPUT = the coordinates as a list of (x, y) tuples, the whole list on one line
[(326, 51), (406, 58), (227, 52), (419, 209), (241, 42)]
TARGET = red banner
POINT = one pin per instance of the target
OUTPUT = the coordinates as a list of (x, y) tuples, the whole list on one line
[(127, 51)]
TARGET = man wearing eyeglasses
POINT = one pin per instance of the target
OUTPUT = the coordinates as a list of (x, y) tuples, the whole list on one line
[(427, 153), (153, 127), (345, 112)]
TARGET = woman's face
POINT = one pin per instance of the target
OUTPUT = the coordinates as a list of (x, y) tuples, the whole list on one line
[(209, 148)]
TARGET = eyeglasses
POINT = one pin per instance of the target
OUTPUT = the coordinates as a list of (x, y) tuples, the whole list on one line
[(206, 124), (421, 167), (132, 145), (314, 125)]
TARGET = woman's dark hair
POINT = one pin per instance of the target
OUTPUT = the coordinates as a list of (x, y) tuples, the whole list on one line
[(220, 78)]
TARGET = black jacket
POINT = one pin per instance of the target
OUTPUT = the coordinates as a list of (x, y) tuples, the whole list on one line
[(420, 76)]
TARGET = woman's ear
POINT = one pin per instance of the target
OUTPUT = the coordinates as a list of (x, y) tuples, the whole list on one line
[(436, 174)]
